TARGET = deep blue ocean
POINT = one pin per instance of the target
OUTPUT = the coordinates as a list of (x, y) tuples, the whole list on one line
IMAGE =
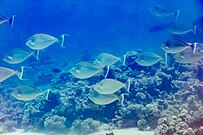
[(94, 27)]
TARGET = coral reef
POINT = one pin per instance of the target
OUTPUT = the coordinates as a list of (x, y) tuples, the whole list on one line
[(83, 127), (167, 99)]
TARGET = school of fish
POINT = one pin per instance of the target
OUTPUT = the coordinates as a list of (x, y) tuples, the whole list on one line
[(105, 91)]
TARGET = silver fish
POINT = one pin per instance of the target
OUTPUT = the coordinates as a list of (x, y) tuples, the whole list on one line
[(175, 46), (4, 19), (180, 29), (84, 70), (148, 59), (106, 59), (188, 56), (110, 86), (104, 99), (6, 73), (160, 11), (42, 41), (17, 56), (27, 93)]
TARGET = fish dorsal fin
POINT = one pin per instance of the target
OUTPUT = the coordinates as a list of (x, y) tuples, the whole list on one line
[(182, 42), (26, 50), (38, 90), (4, 17)]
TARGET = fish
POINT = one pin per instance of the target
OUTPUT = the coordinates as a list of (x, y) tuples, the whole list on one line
[(105, 99), (148, 59), (27, 93), (110, 86), (17, 56), (180, 29), (4, 19), (85, 70), (6, 73), (188, 56), (106, 59), (175, 46), (42, 41), (160, 11)]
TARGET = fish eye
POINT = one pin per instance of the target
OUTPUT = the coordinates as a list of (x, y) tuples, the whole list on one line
[(97, 61), (9, 57), (31, 39), (77, 71)]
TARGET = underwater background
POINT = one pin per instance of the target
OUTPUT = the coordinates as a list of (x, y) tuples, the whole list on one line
[(165, 99)]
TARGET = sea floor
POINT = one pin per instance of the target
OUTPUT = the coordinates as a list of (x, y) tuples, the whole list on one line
[(130, 131)]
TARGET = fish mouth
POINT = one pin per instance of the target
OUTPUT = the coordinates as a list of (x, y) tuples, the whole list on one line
[(8, 58), (29, 43), (164, 47)]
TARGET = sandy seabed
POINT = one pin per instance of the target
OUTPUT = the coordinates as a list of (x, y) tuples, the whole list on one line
[(130, 131)]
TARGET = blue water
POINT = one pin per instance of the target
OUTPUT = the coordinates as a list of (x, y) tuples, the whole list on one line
[(94, 26)]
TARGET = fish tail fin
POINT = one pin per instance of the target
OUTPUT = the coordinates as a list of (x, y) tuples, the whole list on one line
[(177, 13), (124, 59), (61, 40), (20, 73), (46, 94), (11, 20), (121, 99), (107, 71), (193, 47), (194, 29), (119, 59), (35, 54), (127, 85)]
